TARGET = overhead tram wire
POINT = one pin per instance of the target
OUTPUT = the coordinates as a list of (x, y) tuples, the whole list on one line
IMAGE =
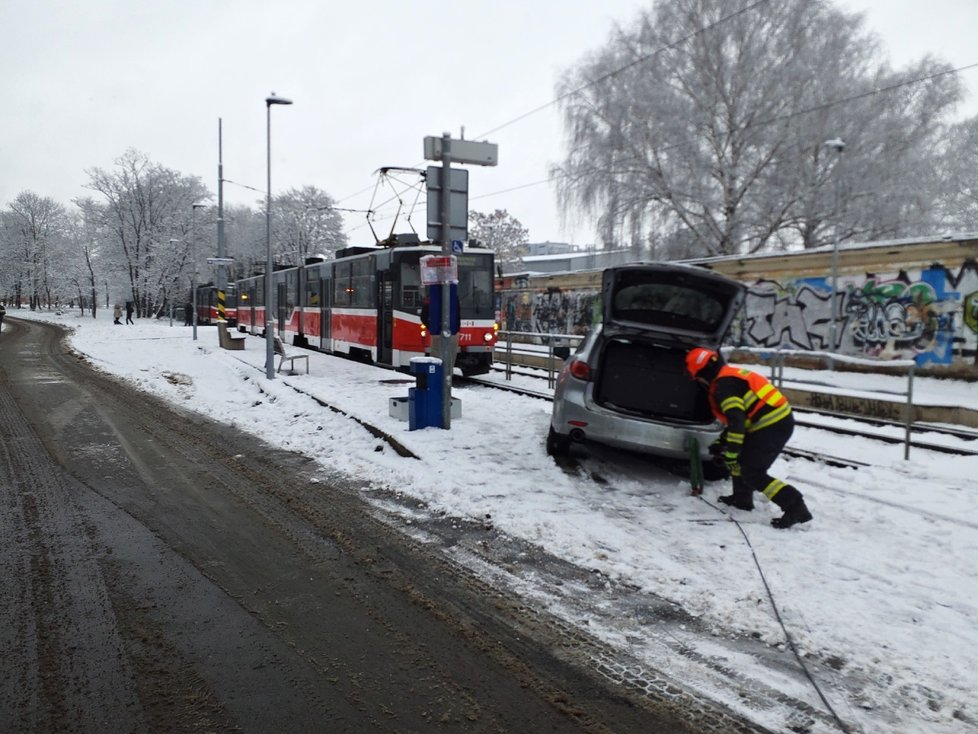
[(578, 90), (781, 118), (645, 57)]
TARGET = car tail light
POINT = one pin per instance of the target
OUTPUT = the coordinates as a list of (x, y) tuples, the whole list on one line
[(580, 369)]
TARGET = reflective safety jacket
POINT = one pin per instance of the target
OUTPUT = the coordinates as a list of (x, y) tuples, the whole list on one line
[(745, 402)]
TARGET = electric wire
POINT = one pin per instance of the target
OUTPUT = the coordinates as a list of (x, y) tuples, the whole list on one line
[(674, 44), (777, 614)]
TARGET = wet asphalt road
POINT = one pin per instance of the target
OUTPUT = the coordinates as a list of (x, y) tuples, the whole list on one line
[(164, 574)]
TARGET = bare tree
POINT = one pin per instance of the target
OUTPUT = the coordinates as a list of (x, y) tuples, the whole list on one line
[(147, 205), (35, 228), (959, 192), (306, 222), (500, 232), (708, 121)]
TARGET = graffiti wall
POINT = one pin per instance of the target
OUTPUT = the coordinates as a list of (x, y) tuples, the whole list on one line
[(930, 315), (550, 311)]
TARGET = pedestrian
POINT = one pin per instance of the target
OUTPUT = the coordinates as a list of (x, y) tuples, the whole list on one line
[(3, 312), (129, 312), (758, 423), (117, 314), (188, 314)]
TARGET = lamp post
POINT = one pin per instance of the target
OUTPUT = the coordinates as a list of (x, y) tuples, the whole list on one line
[(193, 251), (269, 332), (838, 145)]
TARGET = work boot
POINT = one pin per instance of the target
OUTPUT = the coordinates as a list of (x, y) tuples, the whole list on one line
[(793, 515), (739, 501)]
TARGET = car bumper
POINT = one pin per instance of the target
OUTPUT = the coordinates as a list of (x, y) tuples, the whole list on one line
[(582, 419)]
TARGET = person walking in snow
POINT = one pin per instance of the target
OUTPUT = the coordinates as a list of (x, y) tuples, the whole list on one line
[(758, 423), (129, 311), (117, 314)]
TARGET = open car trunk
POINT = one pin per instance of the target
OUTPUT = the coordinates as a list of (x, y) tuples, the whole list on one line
[(650, 381)]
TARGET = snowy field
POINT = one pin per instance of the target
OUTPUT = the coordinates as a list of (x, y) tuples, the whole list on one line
[(879, 592)]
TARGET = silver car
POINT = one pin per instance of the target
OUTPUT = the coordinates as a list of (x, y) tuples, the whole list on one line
[(626, 385)]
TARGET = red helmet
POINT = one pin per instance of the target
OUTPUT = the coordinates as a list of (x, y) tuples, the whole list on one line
[(698, 358)]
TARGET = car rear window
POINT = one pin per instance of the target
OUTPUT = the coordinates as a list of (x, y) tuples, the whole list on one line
[(665, 304)]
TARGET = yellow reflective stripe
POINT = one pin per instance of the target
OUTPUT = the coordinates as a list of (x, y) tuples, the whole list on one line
[(749, 400), (735, 438), (763, 392), (768, 418), (731, 403), (775, 486)]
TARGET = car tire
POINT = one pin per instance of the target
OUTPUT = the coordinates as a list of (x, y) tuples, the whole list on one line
[(557, 445)]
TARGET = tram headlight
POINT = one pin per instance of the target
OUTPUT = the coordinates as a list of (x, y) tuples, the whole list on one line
[(487, 336)]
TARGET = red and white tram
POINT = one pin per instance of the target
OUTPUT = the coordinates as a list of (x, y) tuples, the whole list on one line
[(207, 304), (369, 303)]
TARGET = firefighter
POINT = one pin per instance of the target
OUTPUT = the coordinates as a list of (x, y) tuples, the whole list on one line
[(758, 423)]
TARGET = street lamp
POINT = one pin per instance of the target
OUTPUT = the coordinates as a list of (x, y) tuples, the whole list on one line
[(838, 145), (269, 335)]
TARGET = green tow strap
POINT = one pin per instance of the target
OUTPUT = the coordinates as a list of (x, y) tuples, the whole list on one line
[(695, 466)]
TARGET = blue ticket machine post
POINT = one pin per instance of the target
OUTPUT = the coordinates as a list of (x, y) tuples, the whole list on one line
[(425, 398)]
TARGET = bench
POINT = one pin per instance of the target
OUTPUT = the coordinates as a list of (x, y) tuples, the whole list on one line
[(226, 340), (280, 350)]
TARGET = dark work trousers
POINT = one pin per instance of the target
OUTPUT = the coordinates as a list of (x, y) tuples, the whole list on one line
[(760, 450)]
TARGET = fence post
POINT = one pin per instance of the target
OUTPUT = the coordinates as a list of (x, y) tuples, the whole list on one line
[(909, 413), (509, 355)]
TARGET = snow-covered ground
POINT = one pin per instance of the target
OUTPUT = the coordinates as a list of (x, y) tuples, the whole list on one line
[(879, 592)]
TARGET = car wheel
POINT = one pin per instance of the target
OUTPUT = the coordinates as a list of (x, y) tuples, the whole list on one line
[(557, 445)]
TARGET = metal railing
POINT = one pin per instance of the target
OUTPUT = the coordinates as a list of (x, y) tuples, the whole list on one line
[(777, 358), (541, 345)]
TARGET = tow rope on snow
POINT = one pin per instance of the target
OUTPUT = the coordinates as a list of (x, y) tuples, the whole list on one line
[(777, 614)]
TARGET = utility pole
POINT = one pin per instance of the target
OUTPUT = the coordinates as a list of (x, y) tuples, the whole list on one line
[(222, 280)]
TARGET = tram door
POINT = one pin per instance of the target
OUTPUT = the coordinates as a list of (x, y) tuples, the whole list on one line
[(281, 305), (385, 317), (325, 323)]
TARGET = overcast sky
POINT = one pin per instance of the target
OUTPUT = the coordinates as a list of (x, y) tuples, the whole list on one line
[(80, 82)]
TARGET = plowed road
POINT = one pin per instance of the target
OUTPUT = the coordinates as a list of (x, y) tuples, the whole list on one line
[(161, 573)]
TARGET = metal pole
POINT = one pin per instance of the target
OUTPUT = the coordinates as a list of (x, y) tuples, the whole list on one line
[(446, 248), (193, 254), (909, 416), (222, 280), (269, 336), (837, 145), (269, 328)]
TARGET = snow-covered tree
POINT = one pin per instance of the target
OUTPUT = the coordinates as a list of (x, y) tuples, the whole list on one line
[(35, 229), (500, 232), (146, 206), (709, 122), (305, 222)]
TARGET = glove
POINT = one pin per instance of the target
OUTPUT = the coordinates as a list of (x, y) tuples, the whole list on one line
[(731, 460)]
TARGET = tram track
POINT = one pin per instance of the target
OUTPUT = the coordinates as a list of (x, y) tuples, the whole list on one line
[(862, 430)]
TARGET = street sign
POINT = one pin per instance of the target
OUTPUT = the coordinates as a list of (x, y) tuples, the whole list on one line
[(462, 151), (220, 261), (458, 203), (457, 247)]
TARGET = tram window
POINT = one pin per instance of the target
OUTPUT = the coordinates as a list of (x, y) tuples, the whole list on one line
[(474, 286), (411, 294), (362, 283), (341, 286), (291, 288), (312, 295)]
